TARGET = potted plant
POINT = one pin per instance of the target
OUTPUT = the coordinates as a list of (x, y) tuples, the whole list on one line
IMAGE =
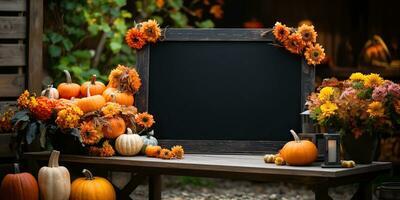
[(362, 109)]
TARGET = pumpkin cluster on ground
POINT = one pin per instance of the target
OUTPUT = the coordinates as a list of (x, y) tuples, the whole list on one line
[(54, 183)]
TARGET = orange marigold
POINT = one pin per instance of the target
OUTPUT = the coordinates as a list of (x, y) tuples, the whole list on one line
[(294, 43), (150, 30), (314, 54), (135, 38), (134, 80), (111, 109), (23, 100), (217, 11), (42, 107), (178, 151), (5, 121), (281, 32), (307, 33), (144, 119), (89, 133), (125, 79), (69, 116), (166, 154), (105, 151)]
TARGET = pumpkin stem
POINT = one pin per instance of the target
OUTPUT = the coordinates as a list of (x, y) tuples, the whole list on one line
[(68, 76), (93, 79), (47, 91), (88, 90), (114, 97), (151, 133), (16, 168), (53, 161), (88, 174), (129, 131), (295, 136)]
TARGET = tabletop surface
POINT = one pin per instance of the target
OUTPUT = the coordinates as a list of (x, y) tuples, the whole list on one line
[(223, 163)]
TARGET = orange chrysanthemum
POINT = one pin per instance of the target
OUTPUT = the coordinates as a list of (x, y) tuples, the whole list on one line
[(314, 54), (217, 11), (144, 119), (125, 79), (281, 32), (135, 38), (89, 133), (105, 151), (5, 121), (134, 80), (69, 116), (111, 109), (23, 100), (178, 151), (166, 154), (160, 3), (42, 107), (294, 43), (307, 33), (150, 30)]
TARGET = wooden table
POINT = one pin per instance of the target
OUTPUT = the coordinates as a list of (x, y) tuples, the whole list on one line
[(246, 167)]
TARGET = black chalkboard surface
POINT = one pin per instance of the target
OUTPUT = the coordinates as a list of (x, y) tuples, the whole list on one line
[(213, 88)]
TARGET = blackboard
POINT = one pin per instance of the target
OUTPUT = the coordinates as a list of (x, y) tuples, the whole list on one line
[(208, 87)]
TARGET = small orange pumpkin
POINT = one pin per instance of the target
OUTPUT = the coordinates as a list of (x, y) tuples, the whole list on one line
[(92, 187), (19, 186), (96, 87), (152, 151), (90, 103), (299, 152), (68, 90), (123, 98), (114, 127)]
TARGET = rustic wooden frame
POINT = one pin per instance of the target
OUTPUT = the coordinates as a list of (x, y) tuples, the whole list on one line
[(218, 35)]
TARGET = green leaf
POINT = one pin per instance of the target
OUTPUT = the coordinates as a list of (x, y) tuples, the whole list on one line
[(159, 19), (115, 46), (176, 4), (54, 51), (180, 19), (20, 116), (120, 25), (93, 29), (55, 37), (126, 14), (67, 44), (205, 24), (31, 132), (120, 3)]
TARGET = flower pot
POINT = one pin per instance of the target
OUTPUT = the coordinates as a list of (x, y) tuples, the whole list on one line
[(361, 150), (67, 143)]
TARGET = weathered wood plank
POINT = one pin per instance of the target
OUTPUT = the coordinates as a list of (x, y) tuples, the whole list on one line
[(35, 54), (250, 164), (220, 34), (12, 55), (226, 146), (12, 27), (11, 85), (12, 5)]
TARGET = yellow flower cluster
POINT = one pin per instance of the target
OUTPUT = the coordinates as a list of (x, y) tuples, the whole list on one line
[(23, 100), (376, 109), (357, 77), (69, 117), (373, 80), (111, 109), (326, 93), (328, 109)]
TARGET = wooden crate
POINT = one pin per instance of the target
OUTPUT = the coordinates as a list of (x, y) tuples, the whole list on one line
[(21, 29), (5, 151)]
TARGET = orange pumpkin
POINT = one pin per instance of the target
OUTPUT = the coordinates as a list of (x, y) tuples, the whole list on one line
[(68, 90), (90, 103), (96, 87), (123, 98), (92, 187), (114, 127), (19, 186), (152, 151), (299, 152)]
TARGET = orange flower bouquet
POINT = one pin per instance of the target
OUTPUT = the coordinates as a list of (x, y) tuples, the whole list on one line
[(300, 41)]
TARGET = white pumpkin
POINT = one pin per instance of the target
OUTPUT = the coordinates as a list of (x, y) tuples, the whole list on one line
[(128, 144), (50, 92), (54, 180)]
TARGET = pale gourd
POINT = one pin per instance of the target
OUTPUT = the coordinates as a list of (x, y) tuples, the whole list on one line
[(128, 144), (54, 180), (148, 139), (50, 92)]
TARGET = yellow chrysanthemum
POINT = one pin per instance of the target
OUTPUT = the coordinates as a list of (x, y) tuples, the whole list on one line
[(328, 109), (23, 100), (376, 109), (357, 77), (111, 109), (326, 93), (373, 80), (178, 151), (69, 117)]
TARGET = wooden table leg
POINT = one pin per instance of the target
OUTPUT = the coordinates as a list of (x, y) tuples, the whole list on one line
[(364, 191), (155, 187), (321, 193)]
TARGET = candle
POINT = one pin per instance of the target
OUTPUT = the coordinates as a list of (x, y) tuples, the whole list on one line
[(332, 150)]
